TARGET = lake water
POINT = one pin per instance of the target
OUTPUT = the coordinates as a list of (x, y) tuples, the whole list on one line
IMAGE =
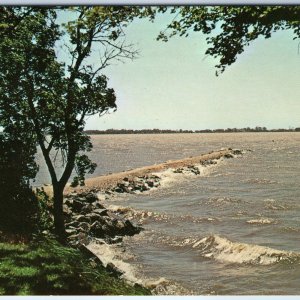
[(233, 230)]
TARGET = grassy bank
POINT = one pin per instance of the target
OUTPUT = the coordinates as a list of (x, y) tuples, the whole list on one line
[(47, 268)]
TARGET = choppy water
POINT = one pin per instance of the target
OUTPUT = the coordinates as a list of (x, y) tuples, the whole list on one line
[(234, 230)]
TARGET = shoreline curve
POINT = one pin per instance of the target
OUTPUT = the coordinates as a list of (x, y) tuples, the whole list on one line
[(105, 182)]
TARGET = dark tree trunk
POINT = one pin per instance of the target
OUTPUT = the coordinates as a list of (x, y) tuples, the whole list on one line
[(59, 222)]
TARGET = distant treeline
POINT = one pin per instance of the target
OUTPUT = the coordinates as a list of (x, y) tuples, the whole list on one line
[(156, 131)]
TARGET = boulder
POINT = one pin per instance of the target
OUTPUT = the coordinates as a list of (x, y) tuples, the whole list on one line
[(71, 231), (73, 224), (92, 257), (80, 238), (109, 223), (96, 229), (69, 202), (87, 209), (77, 206), (82, 218), (144, 188), (119, 225), (67, 210), (113, 270), (94, 217), (150, 183), (100, 212), (237, 152), (114, 240), (106, 231), (84, 227), (97, 204), (91, 197), (130, 229), (118, 190)]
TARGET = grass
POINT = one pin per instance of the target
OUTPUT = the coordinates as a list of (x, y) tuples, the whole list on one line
[(47, 268)]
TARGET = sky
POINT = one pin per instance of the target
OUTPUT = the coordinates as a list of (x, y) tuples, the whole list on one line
[(173, 85)]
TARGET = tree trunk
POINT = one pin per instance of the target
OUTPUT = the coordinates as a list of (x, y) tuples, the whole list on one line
[(59, 222)]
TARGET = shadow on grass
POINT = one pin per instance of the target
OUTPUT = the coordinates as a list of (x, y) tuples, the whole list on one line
[(47, 268)]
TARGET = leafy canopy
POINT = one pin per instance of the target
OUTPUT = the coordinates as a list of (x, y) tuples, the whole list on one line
[(230, 29), (41, 94)]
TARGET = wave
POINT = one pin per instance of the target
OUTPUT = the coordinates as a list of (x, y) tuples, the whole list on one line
[(260, 181), (112, 254), (143, 215), (222, 249), (220, 201), (116, 256), (205, 168), (261, 221), (291, 229), (225, 251), (273, 205)]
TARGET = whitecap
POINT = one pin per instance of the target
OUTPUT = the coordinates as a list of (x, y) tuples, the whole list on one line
[(222, 249), (261, 221)]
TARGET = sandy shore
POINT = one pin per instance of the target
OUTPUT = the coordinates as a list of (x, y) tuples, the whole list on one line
[(105, 182)]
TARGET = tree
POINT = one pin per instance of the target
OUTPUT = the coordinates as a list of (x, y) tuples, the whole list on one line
[(51, 98), (231, 28), (18, 204)]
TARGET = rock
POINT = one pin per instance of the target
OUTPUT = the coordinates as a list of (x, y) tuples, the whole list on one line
[(94, 217), (109, 223), (228, 155), (69, 202), (91, 197), (71, 231), (100, 212), (119, 225), (125, 179), (237, 152), (87, 209), (80, 238), (130, 229), (82, 218), (101, 197), (66, 210), (156, 183), (144, 188), (84, 226), (90, 254), (97, 204), (106, 231), (208, 162), (113, 270), (115, 240), (119, 190), (96, 229), (77, 206), (73, 224), (150, 183)]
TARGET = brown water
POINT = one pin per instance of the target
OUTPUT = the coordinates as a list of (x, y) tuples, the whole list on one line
[(234, 230)]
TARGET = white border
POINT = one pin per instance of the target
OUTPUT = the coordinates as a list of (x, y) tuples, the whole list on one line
[(153, 3)]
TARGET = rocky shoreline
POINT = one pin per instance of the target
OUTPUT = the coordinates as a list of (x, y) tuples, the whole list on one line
[(87, 219)]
